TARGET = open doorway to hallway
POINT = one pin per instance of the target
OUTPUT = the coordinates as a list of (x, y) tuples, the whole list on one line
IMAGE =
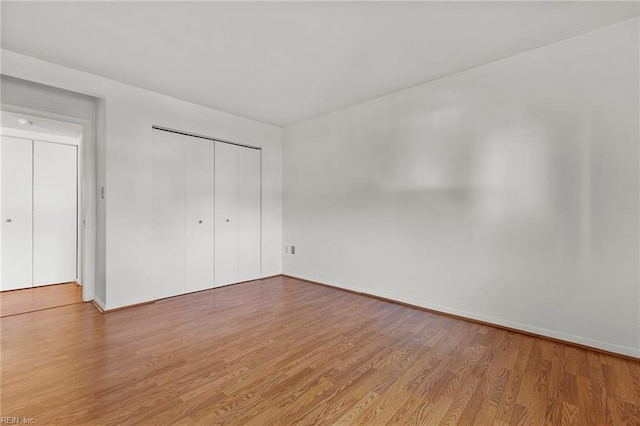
[(41, 210)]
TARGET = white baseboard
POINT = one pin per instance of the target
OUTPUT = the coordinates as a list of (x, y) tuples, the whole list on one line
[(134, 302), (127, 304), (100, 303), (554, 334)]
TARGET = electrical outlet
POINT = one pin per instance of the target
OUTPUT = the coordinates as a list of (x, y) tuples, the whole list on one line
[(293, 249)]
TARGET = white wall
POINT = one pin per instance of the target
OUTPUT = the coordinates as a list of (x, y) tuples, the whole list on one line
[(25, 94), (507, 193), (128, 114)]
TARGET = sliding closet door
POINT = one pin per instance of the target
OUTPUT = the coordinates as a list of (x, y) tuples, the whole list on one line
[(206, 212), (237, 211), (55, 210), (16, 212), (249, 189), (199, 214), (168, 214), (226, 213)]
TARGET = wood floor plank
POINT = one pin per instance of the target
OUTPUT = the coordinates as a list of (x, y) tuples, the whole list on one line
[(281, 351), (555, 388), (386, 404), (533, 390)]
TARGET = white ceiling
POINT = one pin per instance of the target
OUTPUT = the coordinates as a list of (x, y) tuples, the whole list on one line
[(281, 63)]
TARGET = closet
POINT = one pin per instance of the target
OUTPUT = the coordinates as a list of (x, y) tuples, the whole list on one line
[(39, 212), (206, 213)]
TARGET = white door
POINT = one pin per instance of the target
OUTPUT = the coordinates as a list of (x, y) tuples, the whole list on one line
[(226, 213), (168, 214), (55, 209), (199, 254), (249, 191), (16, 211)]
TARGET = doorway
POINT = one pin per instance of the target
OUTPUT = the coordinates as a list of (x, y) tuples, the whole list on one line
[(41, 205)]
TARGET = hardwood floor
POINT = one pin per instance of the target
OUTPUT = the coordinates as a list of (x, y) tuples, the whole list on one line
[(281, 351), (16, 302)]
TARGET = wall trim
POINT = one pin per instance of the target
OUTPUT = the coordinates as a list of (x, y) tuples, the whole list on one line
[(98, 304), (556, 336), (119, 306), (105, 310)]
